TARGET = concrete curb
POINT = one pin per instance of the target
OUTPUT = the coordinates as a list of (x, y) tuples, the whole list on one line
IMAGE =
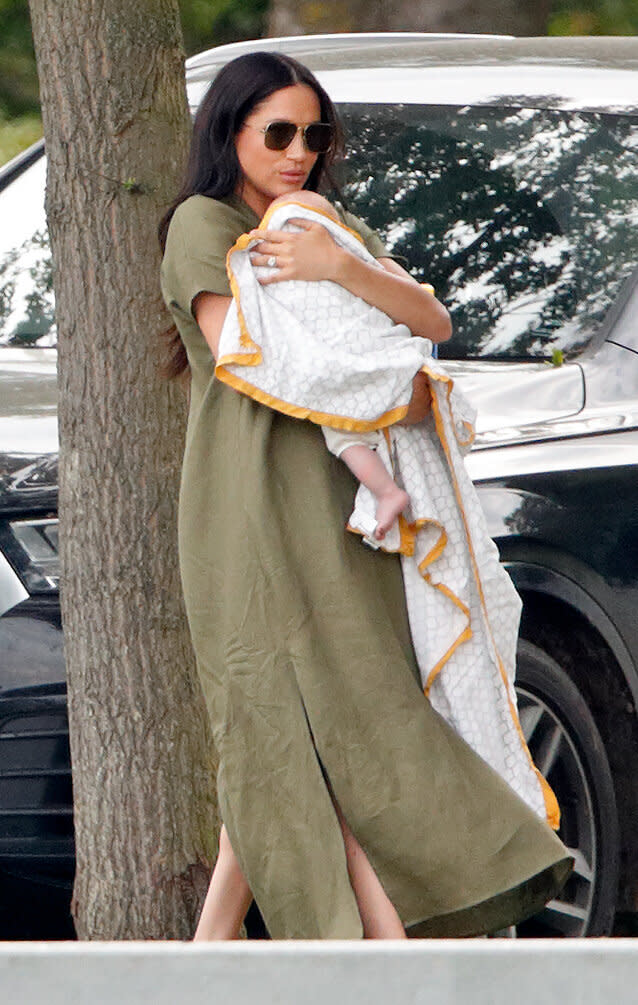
[(418, 972)]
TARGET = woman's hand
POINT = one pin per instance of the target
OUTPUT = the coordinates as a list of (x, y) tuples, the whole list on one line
[(309, 254), (420, 402)]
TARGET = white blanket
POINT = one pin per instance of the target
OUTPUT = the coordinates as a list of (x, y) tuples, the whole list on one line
[(315, 351)]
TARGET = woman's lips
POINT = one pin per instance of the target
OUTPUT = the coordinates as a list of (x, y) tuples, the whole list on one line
[(293, 176)]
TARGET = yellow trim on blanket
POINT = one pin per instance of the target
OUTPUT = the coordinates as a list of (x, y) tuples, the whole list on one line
[(265, 220), (408, 532), (244, 335), (435, 552), (449, 384), (407, 544), (407, 536), (255, 358), (471, 433), (552, 810), (298, 412), (465, 636), (243, 359), (437, 549)]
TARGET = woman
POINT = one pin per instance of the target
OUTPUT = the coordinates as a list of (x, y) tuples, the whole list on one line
[(350, 808)]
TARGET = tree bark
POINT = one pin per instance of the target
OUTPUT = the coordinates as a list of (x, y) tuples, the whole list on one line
[(509, 17), (116, 126)]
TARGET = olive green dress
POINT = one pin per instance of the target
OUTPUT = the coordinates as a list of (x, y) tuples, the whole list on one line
[(305, 659)]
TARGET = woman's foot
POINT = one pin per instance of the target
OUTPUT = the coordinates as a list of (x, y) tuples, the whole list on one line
[(389, 505)]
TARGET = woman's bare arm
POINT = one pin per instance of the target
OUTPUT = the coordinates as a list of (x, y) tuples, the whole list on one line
[(210, 310), (398, 295)]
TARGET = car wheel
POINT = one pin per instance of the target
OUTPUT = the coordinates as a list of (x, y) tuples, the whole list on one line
[(566, 747)]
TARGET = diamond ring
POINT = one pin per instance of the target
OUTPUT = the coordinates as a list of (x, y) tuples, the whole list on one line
[(272, 261)]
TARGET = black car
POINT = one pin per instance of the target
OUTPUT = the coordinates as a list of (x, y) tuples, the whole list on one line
[(504, 172)]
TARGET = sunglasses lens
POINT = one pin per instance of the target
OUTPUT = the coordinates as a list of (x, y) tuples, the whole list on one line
[(279, 135), (318, 137)]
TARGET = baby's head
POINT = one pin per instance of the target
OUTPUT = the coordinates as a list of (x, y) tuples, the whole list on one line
[(310, 199)]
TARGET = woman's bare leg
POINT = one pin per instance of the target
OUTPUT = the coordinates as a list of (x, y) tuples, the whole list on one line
[(228, 897), (378, 914)]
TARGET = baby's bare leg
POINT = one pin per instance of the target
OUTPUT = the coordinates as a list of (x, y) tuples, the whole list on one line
[(367, 466)]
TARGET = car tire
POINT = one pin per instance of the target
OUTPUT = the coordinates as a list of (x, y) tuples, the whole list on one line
[(567, 748)]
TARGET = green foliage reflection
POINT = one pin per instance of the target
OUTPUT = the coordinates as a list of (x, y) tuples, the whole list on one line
[(524, 220)]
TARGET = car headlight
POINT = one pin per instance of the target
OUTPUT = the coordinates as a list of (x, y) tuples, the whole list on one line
[(33, 551)]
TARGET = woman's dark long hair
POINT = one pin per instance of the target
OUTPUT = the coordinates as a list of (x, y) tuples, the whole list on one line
[(213, 167)]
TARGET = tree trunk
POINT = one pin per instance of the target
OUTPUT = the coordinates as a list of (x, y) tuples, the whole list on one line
[(509, 17), (116, 128)]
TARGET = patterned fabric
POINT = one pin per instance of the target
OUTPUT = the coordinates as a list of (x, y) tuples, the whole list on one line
[(301, 347), (315, 351)]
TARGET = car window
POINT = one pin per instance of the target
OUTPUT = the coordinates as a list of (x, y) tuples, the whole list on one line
[(27, 313), (523, 219)]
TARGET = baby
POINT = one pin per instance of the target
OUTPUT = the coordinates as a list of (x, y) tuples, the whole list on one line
[(358, 450)]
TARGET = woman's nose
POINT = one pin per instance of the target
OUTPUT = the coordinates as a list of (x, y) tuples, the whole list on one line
[(297, 150)]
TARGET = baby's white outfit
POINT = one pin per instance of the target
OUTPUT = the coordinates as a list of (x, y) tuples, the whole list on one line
[(337, 440), (315, 351)]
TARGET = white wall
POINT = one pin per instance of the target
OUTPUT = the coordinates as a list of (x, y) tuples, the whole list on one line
[(481, 972)]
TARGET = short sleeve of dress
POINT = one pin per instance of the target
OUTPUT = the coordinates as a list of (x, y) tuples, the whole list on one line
[(199, 236)]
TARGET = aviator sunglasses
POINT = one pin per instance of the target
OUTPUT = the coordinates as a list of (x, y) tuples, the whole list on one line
[(278, 135)]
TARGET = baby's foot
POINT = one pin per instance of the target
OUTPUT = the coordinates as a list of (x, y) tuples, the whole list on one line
[(389, 505)]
